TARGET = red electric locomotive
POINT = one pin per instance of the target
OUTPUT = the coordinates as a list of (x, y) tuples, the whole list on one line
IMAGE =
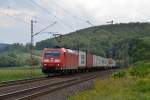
[(59, 60)]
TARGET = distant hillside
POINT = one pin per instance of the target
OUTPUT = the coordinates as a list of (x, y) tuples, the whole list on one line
[(3, 46), (116, 40)]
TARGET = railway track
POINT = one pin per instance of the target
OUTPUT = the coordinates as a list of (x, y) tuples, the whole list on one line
[(32, 92), (22, 81)]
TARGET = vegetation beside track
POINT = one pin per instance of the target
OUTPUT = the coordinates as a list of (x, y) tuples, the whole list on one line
[(127, 84), (17, 73)]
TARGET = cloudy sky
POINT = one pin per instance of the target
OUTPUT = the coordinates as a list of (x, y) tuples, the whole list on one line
[(70, 15)]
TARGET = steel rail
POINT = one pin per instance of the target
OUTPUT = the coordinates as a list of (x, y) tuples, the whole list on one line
[(56, 88), (21, 81), (13, 94)]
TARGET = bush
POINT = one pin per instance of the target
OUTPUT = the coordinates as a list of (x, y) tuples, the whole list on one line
[(13, 59), (7, 61), (36, 61), (142, 85), (140, 69), (119, 74)]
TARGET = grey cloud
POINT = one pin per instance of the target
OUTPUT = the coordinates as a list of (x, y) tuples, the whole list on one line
[(75, 13)]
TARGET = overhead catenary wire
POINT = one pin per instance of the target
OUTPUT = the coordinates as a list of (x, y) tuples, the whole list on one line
[(89, 23), (45, 28), (18, 19), (48, 12), (14, 17), (74, 16), (36, 4), (67, 12)]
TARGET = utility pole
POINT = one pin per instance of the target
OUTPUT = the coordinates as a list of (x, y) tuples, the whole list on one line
[(32, 47), (32, 40), (111, 22), (110, 51), (89, 23), (92, 32), (57, 38), (32, 37), (54, 36), (126, 55), (110, 38)]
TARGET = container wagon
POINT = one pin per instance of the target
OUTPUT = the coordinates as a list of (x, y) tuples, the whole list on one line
[(60, 60)]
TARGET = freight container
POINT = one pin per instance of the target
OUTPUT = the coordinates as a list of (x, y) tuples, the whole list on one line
[(98, 61), (89, 60), (82, 59), (110, 62), (113, 63), (94, 61), (104, 62)]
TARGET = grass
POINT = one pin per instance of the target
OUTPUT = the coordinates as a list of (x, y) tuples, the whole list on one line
[(16, 73), (116, 89), (121, 85)]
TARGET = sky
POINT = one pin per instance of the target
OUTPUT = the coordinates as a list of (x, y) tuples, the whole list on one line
[(69, 15)]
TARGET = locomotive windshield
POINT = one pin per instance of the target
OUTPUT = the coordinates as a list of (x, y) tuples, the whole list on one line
[(52, 54)]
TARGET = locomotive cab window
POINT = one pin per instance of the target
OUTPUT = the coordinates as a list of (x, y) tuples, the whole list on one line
[(51, 54)]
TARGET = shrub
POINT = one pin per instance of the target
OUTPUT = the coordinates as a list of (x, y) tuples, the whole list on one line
[(142, 85), (119, 74), (140, 69), (36, 61)]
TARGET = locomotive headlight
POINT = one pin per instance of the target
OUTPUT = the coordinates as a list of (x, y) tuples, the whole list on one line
[(45, 64), (57, 60), (46, 60)]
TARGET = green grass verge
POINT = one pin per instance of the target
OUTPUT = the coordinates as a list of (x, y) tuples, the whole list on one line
[(16, 73), (131, 84), (116, 89)]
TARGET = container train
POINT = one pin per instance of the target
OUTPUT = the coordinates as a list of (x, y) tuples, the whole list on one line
[(60, 60)]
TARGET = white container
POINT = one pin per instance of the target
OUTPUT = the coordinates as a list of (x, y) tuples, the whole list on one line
[(114, 63), (98, 61), (94, 61), (82, 59), (104, 62)]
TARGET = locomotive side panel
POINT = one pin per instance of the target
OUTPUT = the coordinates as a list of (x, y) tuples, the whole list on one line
[(70, 60)]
